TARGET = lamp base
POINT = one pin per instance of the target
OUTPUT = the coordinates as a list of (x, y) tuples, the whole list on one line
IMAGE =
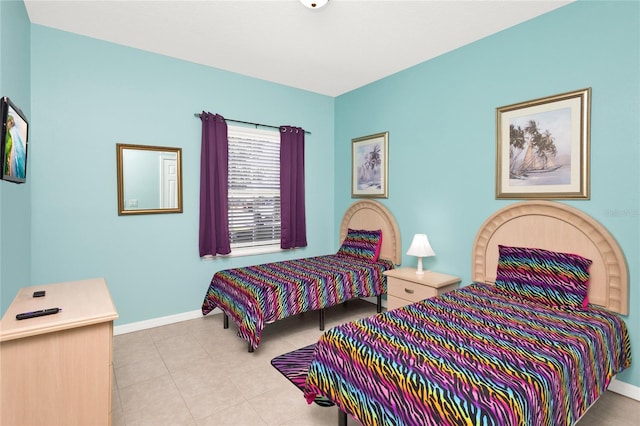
[(419, 271)]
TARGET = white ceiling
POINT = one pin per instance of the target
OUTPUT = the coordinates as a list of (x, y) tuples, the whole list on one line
[(343, 46)]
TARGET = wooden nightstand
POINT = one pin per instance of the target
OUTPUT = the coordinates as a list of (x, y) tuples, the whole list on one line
[(404, 286)]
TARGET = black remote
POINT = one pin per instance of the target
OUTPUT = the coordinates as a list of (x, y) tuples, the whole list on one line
[(34, 314)]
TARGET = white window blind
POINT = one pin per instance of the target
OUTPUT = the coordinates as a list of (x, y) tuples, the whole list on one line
[(254, 187)]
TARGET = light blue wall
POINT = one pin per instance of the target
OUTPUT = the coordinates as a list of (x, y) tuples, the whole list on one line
[(441, 121), (89, 95), (15, 199)]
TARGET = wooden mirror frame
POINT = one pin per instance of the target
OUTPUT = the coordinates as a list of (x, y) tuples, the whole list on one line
[(122, 209)]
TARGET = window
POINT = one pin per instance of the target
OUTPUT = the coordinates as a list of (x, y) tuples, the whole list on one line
[(254, 188)]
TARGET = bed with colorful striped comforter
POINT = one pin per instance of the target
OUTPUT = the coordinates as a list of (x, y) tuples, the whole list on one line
[(470, 357), (257, 295)]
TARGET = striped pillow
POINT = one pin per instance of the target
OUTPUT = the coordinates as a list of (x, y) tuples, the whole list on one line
[(543, 276), (362, 244)]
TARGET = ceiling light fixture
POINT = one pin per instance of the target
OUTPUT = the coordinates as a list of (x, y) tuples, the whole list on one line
[(314, 4)]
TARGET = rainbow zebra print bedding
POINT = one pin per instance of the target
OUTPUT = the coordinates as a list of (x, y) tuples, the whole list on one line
[(473, 356), (257, 295)]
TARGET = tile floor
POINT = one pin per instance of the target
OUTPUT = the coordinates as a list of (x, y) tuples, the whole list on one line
[(197, 373)]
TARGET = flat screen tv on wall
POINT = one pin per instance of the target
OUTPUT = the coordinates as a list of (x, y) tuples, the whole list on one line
[(13, 138)]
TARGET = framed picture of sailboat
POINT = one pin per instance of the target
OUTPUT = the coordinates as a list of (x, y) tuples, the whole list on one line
[(543, 147)]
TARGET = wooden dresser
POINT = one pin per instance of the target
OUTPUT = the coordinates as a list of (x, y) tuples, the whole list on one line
[(57, 369)]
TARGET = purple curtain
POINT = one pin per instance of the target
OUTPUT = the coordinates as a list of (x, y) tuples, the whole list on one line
[(214, 171), (293, 231)]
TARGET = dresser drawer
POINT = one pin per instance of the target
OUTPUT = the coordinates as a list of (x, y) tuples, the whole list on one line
[(394, 302), (408, 290)]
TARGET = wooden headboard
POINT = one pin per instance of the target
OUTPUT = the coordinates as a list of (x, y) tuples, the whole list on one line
[(372, 215), (554, 226)]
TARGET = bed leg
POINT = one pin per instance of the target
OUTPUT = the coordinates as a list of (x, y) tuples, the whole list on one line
[(226, 321), (342, 418), (379, 303), (250, 347), (321, 319)]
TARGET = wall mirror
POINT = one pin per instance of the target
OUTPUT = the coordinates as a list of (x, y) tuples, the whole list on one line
[(149, 179)]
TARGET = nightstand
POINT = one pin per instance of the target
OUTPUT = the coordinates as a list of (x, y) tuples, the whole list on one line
[(404, 286)]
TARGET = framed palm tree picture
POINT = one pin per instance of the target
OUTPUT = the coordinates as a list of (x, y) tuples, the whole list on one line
[(370, 166), (543, 147)]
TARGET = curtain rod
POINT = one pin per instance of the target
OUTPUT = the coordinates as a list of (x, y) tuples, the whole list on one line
[(198, 115)]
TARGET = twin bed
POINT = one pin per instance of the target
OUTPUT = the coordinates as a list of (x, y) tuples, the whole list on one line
[(532, 341), (254, 296)]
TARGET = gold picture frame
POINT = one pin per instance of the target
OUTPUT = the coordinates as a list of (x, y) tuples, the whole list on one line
[(370, 166), (149, 179), (543, 147)]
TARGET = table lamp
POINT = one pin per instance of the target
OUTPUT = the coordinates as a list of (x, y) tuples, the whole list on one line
[(420, 247)]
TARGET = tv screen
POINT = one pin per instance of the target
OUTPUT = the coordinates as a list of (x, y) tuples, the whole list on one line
[(14, 137)]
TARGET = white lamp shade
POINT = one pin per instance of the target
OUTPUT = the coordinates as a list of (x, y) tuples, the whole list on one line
[(314, 4), (420, 246)]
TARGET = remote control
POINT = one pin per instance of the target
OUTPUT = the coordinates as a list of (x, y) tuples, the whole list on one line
[(34, 314)]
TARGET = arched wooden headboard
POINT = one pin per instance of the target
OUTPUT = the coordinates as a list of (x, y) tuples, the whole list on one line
[(372, 215), (554, 226)]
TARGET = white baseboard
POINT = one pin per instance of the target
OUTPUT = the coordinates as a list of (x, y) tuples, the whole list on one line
[(157, 322), (622, 388), (625, 389), (185, 316)]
